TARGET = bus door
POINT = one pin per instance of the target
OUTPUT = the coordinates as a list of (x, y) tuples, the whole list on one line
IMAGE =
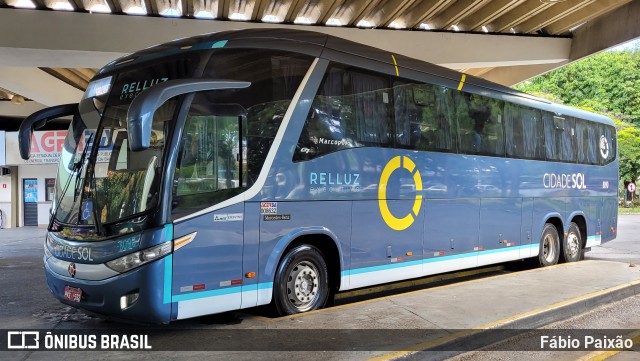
[(208, 271)]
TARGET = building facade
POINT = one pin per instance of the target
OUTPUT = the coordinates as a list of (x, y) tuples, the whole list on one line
[(27, 186)]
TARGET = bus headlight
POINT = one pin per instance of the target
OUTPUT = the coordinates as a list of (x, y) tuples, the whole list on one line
[(137, 259)]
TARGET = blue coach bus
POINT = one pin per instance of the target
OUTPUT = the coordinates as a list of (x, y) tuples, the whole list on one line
[(256, 167)]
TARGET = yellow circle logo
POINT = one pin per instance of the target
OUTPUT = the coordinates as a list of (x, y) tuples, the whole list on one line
[(392, 221)]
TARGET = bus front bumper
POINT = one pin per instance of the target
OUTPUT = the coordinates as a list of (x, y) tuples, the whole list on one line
[(143, 289)]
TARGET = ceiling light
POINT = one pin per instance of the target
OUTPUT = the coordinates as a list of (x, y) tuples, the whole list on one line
[(302, 20), (24, 4), (425, 26), (271, 19), (397, 25), (172, 13), (62, 5), (237, 16), (485, 28), (98, 7), (171, 8), (576, 27), (136, 10), (455, 27), (334, 22), (17, 99), (365, 24), (203, 14)]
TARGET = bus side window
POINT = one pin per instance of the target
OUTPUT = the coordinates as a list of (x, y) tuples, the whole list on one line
[(407, 115), (208, 167), (433, 128), (560, 137), (588, 142), (553, 129), (569, 140), (480, 129), (352, 109), (524, 137), (371, 100)]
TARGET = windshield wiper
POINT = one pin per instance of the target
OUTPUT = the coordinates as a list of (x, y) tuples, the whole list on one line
[(91, 181), (80, 166), (89, 185), (77, 169)]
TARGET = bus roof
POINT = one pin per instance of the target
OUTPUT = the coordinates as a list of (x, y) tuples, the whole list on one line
[(337, 49)]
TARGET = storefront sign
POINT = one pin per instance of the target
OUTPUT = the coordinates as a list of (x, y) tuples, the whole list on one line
[(45, 147)]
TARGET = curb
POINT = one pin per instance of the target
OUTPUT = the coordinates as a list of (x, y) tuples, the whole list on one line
[(603, 355), (478, 337)]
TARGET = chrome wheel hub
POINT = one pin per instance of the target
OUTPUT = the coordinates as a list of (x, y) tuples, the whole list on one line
[(573, 244), (548, 248), (302, 285)]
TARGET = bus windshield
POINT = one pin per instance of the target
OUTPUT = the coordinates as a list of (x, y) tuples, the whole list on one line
[(99, 177), (102, 182)]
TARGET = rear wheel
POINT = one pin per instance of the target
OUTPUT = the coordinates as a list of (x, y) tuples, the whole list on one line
[(572, 245), (549, 246), (302, 282)]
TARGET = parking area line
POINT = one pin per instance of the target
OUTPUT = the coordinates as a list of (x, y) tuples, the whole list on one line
[(603, 355), (501, 323)]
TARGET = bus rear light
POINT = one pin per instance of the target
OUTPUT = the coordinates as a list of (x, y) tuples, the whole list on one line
[(137, 259), (250, 274), (127, 301)]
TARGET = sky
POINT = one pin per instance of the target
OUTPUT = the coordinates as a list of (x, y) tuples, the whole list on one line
[(634, 44)]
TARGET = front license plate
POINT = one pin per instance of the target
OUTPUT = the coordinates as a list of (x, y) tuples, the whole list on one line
[(72, 294)]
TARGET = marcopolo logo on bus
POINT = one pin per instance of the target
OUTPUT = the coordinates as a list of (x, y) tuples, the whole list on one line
[(604, 147)]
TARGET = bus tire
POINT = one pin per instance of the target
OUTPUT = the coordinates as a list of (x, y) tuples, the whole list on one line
[(572, 244), (302, 281), (549, 246)]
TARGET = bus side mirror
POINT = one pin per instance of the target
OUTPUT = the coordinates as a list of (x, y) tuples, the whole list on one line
[(141, 110), (38, 120)]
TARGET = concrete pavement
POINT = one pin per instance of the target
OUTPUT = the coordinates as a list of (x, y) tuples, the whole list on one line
[(445, 315)]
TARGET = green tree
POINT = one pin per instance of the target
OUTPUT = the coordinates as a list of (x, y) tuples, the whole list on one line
[(629, 153), (607, 82)]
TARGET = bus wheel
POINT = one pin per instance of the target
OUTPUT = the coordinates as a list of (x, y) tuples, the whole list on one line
[(549, 246), (302, 281), (572, 245)]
